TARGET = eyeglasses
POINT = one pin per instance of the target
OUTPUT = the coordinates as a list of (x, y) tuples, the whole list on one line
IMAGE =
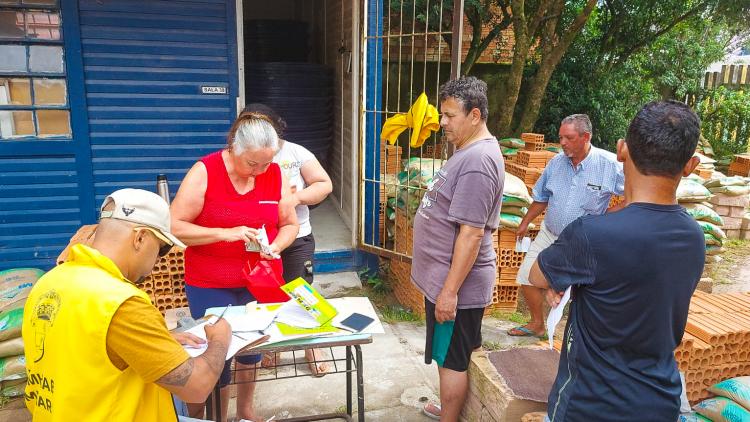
[(163, 250)]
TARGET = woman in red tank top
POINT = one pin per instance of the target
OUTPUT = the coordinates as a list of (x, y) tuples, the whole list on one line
[(223, 201)]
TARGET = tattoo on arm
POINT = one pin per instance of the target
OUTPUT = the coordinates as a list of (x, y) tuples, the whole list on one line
[(178, 376), (215, 356)]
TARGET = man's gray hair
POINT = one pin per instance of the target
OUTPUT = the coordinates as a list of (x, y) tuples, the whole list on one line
[(469, 91), (581, 122), (253, 134)]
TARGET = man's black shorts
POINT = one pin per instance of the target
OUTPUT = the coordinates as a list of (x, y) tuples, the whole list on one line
[(450, 344)]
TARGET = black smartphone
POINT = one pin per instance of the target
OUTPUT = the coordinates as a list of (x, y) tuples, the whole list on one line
[(357, 322)]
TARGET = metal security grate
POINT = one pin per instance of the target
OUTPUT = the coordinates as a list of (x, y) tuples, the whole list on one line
[(408, 51)]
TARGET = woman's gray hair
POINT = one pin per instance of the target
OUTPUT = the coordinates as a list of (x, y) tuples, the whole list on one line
[(250, 133), (581, 122)]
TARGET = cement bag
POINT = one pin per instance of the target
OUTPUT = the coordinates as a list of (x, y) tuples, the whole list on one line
[(735, 389), (12, 368), (420, 171), (512, 143), (512, 221), (511, 201), (714, 250), (731, 190), (692, 191), (713, 259), (702, 212), (721, 409), (12, 388), (10, 324), (712, 229), (508, 151), (514, 187), (517, 211), (711, 240), (11, 347), (692, 417), (726, 181), (15, 286), (703, 159)]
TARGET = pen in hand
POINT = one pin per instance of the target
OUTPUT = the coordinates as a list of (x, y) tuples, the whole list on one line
[(222, 314)]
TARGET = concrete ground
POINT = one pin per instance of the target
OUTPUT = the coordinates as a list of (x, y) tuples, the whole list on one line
[(397, 381)]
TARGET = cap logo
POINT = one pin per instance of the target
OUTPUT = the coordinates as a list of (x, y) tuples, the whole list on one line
[(127, 211)]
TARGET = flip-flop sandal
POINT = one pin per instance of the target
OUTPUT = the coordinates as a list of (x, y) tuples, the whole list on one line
[(317, 368), (526, 331), (432, 411)]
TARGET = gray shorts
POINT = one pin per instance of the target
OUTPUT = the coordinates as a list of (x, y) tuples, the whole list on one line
[(542, 241)]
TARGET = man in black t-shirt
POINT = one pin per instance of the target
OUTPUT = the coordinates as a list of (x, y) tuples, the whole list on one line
[(632, 274)]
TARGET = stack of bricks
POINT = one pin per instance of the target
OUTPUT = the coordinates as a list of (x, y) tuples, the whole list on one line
[(166, 283), (533, 141), (732, 210), (740, 165), (716, 344), (390, 158), (406, 294), (504, 292)]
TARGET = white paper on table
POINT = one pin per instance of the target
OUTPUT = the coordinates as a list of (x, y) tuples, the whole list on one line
[(235, 345), (291, 313), (361, 305), (523, 245), (555, 315)]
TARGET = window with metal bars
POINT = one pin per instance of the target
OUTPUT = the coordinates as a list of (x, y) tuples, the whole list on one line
[(33, 89)]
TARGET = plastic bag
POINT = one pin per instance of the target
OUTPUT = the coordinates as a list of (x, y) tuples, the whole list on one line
[(721, 409), (512, 143), (735, 389), (691, 191), (702, 212), (264, 281)]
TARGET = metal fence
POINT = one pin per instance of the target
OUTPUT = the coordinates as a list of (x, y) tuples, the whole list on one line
[(407, 52)]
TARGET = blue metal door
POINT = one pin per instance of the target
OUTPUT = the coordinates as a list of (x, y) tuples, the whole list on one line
[(152, 87)]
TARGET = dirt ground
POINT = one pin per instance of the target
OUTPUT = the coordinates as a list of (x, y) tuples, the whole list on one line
[(732, 274)]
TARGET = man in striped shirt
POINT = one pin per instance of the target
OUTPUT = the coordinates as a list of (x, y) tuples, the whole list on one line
[(579, 181)]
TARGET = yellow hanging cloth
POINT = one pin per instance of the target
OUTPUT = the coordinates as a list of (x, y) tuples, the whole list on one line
[(422, 118)]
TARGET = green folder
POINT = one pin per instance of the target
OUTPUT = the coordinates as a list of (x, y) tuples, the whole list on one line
[(309, 298)]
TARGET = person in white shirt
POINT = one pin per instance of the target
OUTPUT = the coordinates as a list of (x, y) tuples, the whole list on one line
[(310, 185)]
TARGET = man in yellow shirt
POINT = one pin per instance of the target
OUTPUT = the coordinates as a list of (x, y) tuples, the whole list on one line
[(96, 348)]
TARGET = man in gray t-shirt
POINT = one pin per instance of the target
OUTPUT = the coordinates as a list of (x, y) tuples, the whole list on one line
[(454, 262)]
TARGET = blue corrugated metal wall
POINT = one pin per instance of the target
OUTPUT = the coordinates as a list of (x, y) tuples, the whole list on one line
[(135, 72), (144, 65)]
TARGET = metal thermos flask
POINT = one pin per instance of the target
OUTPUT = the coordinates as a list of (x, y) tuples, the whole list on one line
[(162, 187)]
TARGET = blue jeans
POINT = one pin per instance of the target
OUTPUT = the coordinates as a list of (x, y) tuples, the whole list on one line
[(200, 299)]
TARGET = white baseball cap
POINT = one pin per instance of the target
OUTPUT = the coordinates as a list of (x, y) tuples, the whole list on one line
[(141, 207)]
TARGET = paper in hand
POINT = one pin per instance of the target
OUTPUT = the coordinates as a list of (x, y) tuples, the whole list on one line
[(522, 245), (555, 315)]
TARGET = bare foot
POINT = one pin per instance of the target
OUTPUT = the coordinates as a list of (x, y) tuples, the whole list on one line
[(314, 357)]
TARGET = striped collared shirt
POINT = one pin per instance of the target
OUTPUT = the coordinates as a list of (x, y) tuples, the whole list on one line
[(572, 192)]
